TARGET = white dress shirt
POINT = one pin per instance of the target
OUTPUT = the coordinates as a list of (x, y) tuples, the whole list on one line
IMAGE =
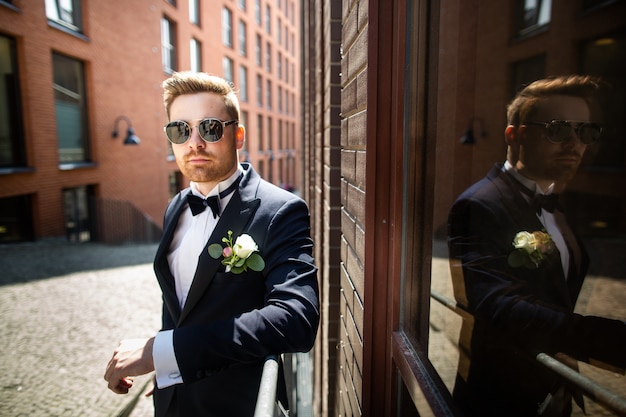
[(546, 218), (188, 242)]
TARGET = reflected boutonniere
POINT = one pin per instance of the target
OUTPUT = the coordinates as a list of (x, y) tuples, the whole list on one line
[(531, 249), (238, 256)]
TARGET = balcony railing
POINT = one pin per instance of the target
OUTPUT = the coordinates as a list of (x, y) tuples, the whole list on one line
[(298, 379)]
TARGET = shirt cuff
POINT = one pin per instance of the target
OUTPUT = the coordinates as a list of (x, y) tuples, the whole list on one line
[(165, 365)]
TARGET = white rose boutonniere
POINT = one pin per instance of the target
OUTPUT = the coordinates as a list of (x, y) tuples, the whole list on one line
[(238, 256), (531, 249)]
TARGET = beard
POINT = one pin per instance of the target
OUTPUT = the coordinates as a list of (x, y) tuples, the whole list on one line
[(214, 169)]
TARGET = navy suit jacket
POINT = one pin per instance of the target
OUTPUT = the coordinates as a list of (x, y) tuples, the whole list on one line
[(517, 312), (230, 322)]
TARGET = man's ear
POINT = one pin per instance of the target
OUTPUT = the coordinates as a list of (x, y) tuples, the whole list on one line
[(512, 135), (240, 136)]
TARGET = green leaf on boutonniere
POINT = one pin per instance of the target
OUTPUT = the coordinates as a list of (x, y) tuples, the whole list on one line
[(256, 262), (215, 250)]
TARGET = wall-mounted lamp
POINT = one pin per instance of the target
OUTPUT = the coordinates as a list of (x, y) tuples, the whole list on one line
[(131, 138), (469, 138)]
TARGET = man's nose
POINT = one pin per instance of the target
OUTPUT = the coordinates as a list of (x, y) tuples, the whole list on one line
[(195, 141)]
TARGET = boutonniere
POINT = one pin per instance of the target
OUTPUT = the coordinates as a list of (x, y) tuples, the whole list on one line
[(238, 256), (531, 249)]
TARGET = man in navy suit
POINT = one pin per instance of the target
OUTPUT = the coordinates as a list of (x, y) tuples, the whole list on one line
[(235, 267), (518, 267)]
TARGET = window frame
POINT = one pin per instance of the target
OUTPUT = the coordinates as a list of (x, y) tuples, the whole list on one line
[(80, 97), (168, 45), (14, 114)]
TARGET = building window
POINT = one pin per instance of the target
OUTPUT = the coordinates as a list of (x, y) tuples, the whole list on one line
[(257, 12), (227, 27), (16, 219), (168, 40), (268, 94), (526, 71), (268, 57), (243, 83), (279, 65), (596, 4), (280, 99), (243, 36), (12, 152), (66, 13), (71, 109), (228, 69), (268, 20), (606, 57), (242, 4), (175, 180), (279, 31), (258, 50), (195, 54), (533, 15), (259, 91), (259, 129), (194, 12), (78, 209)]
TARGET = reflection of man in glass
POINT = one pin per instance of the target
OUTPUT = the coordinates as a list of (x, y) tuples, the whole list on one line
[(517, 266)]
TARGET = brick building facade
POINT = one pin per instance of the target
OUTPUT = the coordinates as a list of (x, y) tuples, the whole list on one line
[(75, 71)]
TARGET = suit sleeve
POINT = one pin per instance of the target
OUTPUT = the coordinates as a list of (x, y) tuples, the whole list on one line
[(288, 319), (522, 304)]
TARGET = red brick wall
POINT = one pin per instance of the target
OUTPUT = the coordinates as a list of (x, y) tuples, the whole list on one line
[(353, 139), (123, 71)]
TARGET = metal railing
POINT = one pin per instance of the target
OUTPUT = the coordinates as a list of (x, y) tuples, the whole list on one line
[(266, 404), (594, 391)]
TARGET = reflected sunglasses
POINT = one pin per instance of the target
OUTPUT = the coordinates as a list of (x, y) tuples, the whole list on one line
[(559, 131), (209, 129)]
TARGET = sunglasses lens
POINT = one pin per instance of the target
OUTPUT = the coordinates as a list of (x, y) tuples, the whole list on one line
[(589, 133), (210, 130), (177, 132), (558, 131)]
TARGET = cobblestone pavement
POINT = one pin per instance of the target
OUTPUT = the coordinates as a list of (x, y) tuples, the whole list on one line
[(63, 309)]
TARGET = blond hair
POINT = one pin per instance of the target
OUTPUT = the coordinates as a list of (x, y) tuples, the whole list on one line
[(189, 82)]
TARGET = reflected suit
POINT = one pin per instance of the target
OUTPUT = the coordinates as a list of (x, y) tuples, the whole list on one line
[(517, 312)]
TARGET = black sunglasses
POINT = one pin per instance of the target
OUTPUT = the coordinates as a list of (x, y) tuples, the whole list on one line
[(210, 130), (559, 131)]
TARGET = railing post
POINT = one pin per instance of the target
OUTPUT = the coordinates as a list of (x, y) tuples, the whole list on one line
[(266, 399)]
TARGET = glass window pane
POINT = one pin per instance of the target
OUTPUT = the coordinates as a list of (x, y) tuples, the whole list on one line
[(533, 15), (11, 132), (71, 119), (194, 12), (227, 27), (168, 50), (65, 12), (195, 55)]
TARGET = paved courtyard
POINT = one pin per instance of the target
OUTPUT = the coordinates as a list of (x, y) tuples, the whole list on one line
[(63, 309)]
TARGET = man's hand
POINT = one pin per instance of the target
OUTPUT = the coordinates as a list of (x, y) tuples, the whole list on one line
[(132, 357)]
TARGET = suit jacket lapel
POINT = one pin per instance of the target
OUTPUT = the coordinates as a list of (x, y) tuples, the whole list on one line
[(161, 265), (235, 217)]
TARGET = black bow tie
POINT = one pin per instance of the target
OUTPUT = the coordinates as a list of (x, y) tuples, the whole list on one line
[(199, 204), (547, 202)]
